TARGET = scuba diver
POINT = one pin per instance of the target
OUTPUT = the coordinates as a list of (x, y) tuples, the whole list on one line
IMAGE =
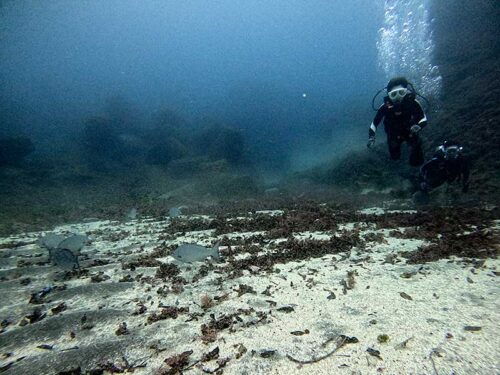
[(447, 165), (403, 118)]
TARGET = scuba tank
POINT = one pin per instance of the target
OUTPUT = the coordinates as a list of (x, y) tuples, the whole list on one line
[(401, 81)]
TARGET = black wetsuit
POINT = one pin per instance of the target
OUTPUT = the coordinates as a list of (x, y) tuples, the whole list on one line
[(439, 170), (398, 119)]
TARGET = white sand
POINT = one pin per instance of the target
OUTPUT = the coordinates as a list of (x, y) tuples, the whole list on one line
[(443, 303)]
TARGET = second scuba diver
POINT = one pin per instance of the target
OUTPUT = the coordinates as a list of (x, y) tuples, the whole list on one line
[(403, 119), (447, 165)]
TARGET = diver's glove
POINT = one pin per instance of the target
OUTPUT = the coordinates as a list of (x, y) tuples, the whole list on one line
[(415, 129), (371, 141)]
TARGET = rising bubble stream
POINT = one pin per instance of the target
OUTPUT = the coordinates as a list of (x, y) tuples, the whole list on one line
[(405, 45)]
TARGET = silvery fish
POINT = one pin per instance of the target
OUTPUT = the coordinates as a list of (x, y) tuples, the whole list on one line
[(189, 253), (174, 212), (51, 240), (132, 215), (74, 243), (65, 258)]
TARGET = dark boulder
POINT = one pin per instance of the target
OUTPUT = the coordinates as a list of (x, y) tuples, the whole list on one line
[(163, 152), (222, 142), (14, 149), (99, 137)]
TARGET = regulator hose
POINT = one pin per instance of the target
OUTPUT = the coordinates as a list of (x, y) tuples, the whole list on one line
[(375, 97)]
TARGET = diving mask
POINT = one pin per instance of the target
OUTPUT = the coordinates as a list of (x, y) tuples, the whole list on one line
[(452, 152), (398, 93)]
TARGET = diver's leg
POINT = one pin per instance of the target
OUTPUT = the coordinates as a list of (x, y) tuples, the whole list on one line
[(416, 153), (394, 145)]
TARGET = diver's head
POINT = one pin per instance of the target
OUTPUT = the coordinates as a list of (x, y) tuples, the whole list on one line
[(397, 89), (452, 153), (397, 94), (450, 150)]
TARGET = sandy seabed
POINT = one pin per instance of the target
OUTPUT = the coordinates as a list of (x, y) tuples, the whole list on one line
[(361, 309)]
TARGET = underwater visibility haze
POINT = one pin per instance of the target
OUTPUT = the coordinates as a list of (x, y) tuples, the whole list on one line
[(150, 92), (249, 186), (281, 72)]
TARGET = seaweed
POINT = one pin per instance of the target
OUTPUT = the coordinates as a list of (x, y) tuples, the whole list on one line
[(211, 355), (167, 312), (126, 279), (244, 289), (141, 310), (5, 323), (59, 308), (167, 271), (99, 277), (175, 364), (406, 296), (202, 272), (374, 352), (472, 328), (300, 333), (293, 250), (178, 285), (209, 331), (146, 261), (383, 338), (206, 302), (45, 346), (285, 309), (351, 281), (38, 297), (122, 329), (374, 237), (267, 353), (35, 316), (241, 350), (72, 371), (478, 244)]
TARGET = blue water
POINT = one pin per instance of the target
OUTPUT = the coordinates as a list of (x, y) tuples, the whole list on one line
[(406, 44), (285, 72), (125, 120)]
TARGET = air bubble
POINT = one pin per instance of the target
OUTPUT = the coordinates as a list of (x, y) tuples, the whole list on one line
[(405, 44)]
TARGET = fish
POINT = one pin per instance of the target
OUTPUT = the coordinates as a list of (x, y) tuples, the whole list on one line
[(132, 215), (189, 253), (174, 212), (65, 258), (74, 243), (63, 252), (51, 240)]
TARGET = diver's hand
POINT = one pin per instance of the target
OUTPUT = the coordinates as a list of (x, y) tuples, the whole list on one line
[(371, 141), (415, 129)]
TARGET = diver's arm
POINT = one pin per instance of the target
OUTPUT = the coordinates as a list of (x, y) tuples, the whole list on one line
[(376, 121), (419, 115)]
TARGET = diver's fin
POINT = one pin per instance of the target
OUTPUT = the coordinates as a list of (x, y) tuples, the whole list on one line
[(215, 251)]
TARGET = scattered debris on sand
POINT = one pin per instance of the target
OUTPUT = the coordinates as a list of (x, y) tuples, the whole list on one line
[(286, 286)]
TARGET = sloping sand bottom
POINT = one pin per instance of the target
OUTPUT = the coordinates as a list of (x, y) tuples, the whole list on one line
[(357, 306)]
